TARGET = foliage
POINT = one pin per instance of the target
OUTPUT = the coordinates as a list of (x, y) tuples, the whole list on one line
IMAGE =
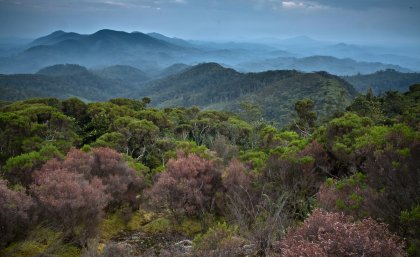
[(384, 80), (131, 172), (15, 212), (219, 240), (69, 199), (187, 186), (333, 234), (111, 226), (306, 117)]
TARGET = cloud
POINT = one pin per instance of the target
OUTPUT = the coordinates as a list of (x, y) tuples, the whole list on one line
[(370, 4), (279, 5), (301, 5)]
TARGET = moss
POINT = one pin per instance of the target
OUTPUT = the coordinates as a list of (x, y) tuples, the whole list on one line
[(68, 251), (25, 248), (139, 219), (39, 242), (111, 226), (159, 225), (189, 227)]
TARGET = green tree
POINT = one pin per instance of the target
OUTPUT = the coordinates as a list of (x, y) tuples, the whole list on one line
[(306, 117)]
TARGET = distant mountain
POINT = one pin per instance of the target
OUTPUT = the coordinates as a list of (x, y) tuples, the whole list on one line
[(301, 41), (60, 70), (172, 40), (153, 52), (319, 63), (55, 38), (386, 80), (103, 48), (173, 69), (212, 86), (61, 81), (123, 73)]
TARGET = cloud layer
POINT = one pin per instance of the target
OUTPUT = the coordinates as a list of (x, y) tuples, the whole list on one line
[(358, 20)]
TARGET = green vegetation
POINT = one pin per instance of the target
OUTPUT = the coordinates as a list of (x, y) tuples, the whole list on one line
[(125, 178), (382, 81), (208, 86)]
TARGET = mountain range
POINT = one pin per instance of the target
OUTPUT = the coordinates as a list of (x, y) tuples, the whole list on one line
[(382, 81), (153, 52), (207, 85), (211, 86)]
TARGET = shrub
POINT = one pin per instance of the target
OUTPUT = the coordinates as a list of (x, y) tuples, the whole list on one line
[(332, 234), (350, 195), (121, 181), (15, 213), (69, 200), (187, 186)]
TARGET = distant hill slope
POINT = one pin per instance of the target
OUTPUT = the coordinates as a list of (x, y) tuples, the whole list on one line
[(55, 38), (320, 63), (172, 40), (123, 73), (173, 69), (61, 81), (103, 48), (382, 81), (212, 86), (63, 70)]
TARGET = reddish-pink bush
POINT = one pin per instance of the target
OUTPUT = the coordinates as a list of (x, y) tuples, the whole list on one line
[(187, 186), (337, 235), (14, 213), (236, 176), (79, 162), (121, 181), (68, 199), (240, 199)]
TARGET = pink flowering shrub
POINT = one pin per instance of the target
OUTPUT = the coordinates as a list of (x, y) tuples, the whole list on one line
[(187, 186), (326, 234), (15, 215)]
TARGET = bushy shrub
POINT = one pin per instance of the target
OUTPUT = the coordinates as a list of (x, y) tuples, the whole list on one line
[(121, 181), (15, 213), (351, 195), (69, 200), (331, 234), (187, 186)]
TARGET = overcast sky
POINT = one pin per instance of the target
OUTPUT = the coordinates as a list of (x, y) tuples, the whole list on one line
[(374, 21)]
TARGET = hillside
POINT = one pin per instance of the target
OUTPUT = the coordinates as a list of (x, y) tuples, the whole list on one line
[(212, 86), (61, 81), (319, 63), (102, 48), (112, 169), (386, 80), (123, 73)]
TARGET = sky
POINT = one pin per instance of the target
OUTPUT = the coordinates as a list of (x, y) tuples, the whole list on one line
[(358, 21)]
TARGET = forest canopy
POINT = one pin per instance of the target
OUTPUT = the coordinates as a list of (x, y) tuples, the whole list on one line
[(119, 178)]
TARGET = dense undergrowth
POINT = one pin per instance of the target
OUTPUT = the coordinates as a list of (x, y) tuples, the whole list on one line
[(118, 178)]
